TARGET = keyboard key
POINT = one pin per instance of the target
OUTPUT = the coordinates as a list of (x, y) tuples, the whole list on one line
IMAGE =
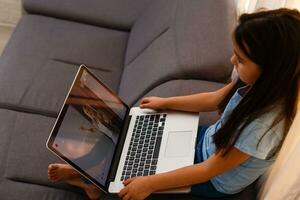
[(152, 117), (146, 172), (133, 175), (152, 172), (160, 133), (154, 162), (148, 161), (156, 119), (157, 147)]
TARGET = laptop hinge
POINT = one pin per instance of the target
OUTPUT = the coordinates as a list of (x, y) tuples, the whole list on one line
[(117, 155)]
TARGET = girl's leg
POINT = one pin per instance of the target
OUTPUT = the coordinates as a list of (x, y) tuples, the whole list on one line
[(64, 172), (91, 190), (60, 172)]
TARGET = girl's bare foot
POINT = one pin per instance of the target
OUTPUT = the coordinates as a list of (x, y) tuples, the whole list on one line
[(61, 172), (91, 190)]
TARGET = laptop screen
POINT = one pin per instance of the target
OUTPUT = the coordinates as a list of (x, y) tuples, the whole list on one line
[(88, 128)]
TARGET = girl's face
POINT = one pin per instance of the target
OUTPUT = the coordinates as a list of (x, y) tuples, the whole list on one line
[(248, 71)]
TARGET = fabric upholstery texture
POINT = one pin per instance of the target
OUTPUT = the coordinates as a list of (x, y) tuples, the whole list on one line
[(24, 156), (113, 13), (44, 54), (14, 190), (178, 39)]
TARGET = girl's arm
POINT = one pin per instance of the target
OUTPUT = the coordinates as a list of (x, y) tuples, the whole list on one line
[(141, 187), (201, 102)]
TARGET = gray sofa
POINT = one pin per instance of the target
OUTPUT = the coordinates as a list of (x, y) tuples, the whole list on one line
[(137, 47)]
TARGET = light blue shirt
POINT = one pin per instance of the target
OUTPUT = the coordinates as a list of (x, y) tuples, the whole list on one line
[(237, 179)]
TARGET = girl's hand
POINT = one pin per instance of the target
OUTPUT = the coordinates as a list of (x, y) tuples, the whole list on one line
[(137, 188), (156, 103)]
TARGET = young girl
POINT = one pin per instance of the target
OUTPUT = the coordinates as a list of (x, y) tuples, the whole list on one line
[(257, 111)]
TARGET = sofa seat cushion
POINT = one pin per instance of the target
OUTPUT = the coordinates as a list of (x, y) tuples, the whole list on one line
[(113, 13), (14, 190), (43, 55), (7, 119), (26, 157)]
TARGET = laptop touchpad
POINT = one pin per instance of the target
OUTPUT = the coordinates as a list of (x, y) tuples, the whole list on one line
[(178, 144)]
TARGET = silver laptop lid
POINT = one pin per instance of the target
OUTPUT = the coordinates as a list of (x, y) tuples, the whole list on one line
[(87, 131)]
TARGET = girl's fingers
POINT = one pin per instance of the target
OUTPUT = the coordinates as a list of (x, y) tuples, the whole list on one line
[(126, 197), (145, 100), (122, 192), (127, 181), (144, 105)]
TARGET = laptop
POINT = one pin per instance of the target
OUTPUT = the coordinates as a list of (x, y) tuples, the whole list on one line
[(108, 142)]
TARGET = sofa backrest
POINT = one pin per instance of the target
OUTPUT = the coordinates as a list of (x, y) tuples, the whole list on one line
[(178, 39), (114, 14)]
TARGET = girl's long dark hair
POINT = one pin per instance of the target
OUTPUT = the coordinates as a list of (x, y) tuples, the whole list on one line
[(271, 39)]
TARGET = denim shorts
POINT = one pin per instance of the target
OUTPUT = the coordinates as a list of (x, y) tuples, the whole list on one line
[(205, 189)]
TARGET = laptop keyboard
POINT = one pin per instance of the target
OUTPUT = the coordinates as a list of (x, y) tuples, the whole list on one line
[(142, 155)]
